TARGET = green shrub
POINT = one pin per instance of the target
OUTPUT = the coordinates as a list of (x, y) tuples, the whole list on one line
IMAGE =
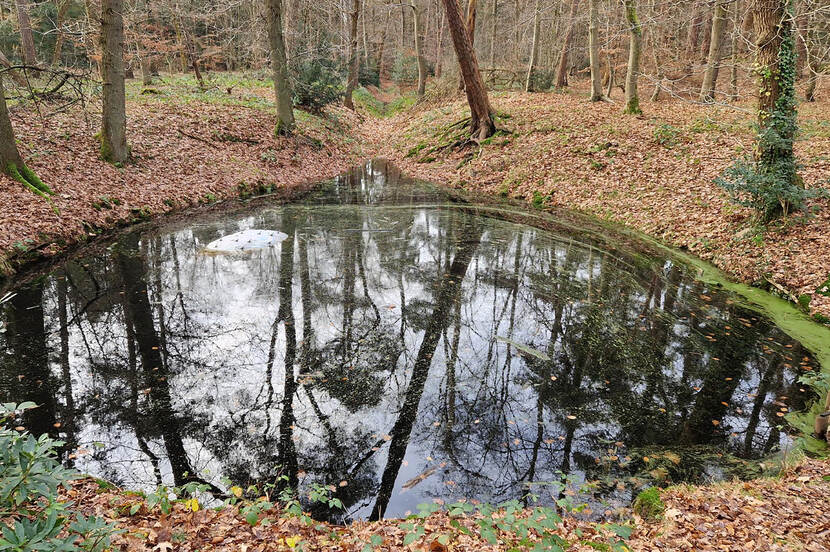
[(405, 69), (30, 476), (368, 74), (317, 82), (541, 80), (667, 135)]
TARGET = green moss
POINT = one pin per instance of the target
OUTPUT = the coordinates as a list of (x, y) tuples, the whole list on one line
[(648, 504)]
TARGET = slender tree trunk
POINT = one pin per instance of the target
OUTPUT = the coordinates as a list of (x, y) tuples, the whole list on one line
[(279, 67), (534, 49), (114, 121), (419, 54), (381, 49), (593, 51), (354, 60), (562, 72), (733, 70), (707, 89), (694, 35), (493, 32), (27, 40), (439, 48), (481, 114), (63, 7), (632, 100), (9, 156)]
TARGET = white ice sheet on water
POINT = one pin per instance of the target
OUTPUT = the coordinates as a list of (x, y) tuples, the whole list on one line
[(246, 240)]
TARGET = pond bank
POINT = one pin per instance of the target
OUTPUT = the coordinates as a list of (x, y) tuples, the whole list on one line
[(653, 174), (184, 155), (773, 514)]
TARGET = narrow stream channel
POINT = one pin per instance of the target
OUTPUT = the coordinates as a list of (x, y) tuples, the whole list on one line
[(435, 351)]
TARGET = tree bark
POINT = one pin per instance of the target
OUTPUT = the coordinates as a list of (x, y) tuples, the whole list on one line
[(770, 23), (593, 51), (481, 114), (534, 49), (9, 156), (562, 72), (707, 89), (694, 36), (63, 7), (27, 40), (493, 31), (354, 61), (279, 67), (114, 113), (419, 53), (632, 100)]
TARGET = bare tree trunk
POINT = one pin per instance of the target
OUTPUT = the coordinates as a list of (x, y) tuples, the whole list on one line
[(63, 7), (114, 121), (562, 72), (11, 163), (381, 49), (733, 74), (439, 48), (27, 40), (419, 54), (632, 100), (472, 6), (354, 60), (493, 32), (694, 35), (593, 51), (707, 89), (481, 114), (534, 48), (279, 67)]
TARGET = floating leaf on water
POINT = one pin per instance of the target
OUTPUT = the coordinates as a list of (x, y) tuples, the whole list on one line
[(523, 348)]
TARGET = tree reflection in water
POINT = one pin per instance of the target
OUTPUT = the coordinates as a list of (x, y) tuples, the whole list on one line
[(397, 347)]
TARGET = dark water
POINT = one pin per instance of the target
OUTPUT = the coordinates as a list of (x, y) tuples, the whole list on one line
[(433, 353)]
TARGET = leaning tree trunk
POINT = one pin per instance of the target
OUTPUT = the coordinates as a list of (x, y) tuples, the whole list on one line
[(10, 161), (354, 60), (632, 100), (114, 121), (481, 114), (419, 49), (279, 67), (534, 49), (562, 72), (707, 89), (593, 51), (27, 40)]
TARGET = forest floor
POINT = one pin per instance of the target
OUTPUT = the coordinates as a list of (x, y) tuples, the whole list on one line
[(654, 173), (188, 148), (785, 513)]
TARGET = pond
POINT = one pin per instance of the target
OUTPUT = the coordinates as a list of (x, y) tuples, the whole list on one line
[(401, 347)]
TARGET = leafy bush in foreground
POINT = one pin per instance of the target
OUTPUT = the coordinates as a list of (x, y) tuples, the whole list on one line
[(30, 476)]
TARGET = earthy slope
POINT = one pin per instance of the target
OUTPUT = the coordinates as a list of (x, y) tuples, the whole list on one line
[(185, 151), (653, 173)]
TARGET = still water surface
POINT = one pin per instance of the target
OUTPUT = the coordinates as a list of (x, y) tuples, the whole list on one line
[(397, 346)]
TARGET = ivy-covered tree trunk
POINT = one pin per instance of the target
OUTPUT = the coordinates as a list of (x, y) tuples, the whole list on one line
[(114, 117), (10, 161), (776, 69), (279, 67), (632, 99), (481, 114)]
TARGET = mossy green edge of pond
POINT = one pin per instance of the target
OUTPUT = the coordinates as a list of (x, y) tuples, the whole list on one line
[(786, 316)]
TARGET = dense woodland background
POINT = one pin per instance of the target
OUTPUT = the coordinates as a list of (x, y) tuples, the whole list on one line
[(188, 35)]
